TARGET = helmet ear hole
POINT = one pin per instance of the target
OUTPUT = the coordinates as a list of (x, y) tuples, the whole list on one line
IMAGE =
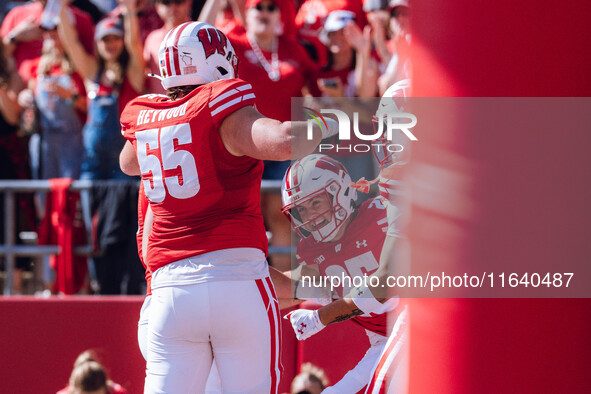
[(222, 70)]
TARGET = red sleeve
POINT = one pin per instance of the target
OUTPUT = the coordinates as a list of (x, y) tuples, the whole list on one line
[(128, 119), (227, 96)]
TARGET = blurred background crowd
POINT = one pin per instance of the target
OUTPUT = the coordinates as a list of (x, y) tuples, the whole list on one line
[(68, 68)]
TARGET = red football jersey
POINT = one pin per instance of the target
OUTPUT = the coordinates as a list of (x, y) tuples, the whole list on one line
[(356, 253), (203, 198), (142, 209)]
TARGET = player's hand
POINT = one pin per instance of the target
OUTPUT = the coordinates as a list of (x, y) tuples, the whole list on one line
[(305, 323)]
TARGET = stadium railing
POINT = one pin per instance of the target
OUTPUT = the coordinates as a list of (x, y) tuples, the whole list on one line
[(10, 250)]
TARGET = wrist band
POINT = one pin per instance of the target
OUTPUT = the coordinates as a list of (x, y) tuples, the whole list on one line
[(317, 319), (332, 128), (365, 300)]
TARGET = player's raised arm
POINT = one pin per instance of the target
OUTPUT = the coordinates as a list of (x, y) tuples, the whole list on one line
[(246, 132)]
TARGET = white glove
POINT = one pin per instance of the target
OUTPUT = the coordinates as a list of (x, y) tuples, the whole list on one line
[(305, 323)]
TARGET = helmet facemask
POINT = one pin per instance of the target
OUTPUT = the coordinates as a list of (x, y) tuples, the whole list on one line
[(389, 151), (328, 214), (396, 149), (323, 178)]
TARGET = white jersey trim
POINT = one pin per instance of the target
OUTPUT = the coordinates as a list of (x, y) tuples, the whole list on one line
[(235, 264), (229, 104), (229, 93)]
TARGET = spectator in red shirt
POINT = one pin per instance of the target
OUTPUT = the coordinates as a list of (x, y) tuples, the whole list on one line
[(113, 78), (310, 20), (230, 17), (278, 68), (22, 34), (173, 13), (59, 95), (351, 71)]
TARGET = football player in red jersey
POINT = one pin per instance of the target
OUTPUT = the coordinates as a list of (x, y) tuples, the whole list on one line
[(199, 154), (339, 240), (390, 370)]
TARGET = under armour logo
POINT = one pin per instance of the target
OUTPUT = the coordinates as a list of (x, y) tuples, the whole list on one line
[(301, 330), (361, 243), (337, 248)]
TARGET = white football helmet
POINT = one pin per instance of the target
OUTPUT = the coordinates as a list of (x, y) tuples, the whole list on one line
[(317, 176), (196, 53), (393, 100)]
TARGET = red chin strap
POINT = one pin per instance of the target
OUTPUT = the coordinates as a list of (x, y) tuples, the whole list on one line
[(363, 184)]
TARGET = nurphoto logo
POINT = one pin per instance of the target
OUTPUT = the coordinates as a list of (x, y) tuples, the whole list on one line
[(398, 123)]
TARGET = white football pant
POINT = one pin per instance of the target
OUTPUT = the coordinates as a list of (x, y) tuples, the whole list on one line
[(235, 322)]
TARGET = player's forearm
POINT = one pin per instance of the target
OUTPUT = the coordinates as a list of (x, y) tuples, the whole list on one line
[(301, 143), (305, 139), (280, 141), (338, 311), (281, 282), (285, 303)]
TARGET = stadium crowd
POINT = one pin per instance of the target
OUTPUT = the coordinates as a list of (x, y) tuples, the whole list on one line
[(68, 68)]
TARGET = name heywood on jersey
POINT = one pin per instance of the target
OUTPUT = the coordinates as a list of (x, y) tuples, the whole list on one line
[(157, 115)]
